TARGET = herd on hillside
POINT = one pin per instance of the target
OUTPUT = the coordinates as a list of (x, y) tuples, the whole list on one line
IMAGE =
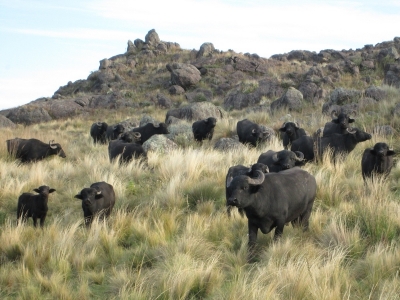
[(271, 193)]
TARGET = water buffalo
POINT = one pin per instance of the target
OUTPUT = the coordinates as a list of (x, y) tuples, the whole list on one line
[(305, 145), (339, 124), (241, 170), (98, 131), (34, 206), (274, 199), (150, 129), (130, 137), (281, 160), (204, 129), (125, 151), (377, 161), (341, 143), (290, 132), (30, 150), (250, 133), (114, 131), (98, 199)]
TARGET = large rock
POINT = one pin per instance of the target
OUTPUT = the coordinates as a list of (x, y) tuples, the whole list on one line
[(159, 143), (5, 122), (195, 112), (341, 96), (28, 115), (199, 95), (184, 75), (206, 49), (152, 38), (292, 99), (392, 75), (229, 144), (66, 108), (375, 93)]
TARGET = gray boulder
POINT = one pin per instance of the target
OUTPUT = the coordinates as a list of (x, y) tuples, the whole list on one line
[(176, 90), (152, 38), (5, 122), (159, 143), (229, 144), (28, 115), (184, 75), (199, 95), (375, 93), (292, 99), (392, 75), (195, 112), (206, 49)]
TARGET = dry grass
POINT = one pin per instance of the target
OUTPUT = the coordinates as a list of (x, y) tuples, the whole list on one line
[(169, 236)]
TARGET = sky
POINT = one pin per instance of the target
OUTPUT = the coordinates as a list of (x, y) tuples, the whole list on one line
[(46, 43)]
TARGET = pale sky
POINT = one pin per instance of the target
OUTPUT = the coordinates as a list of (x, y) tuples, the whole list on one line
[(46, 43)]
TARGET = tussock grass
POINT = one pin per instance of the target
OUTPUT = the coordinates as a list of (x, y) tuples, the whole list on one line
[(169, 236)]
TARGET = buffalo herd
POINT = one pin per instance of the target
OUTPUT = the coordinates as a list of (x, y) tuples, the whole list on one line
[(272, 192)]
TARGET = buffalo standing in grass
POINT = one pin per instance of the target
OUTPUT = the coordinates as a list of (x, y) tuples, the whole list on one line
[(250, 133), (377, 161), (30, 150), (241, 170), (281, 160), (114, 131), (98, 199), (125, 151), (98, 132), (291, 131), (274, 199), (150, 129), (34, 206), (305, 145), (204, 129), (339, 124)]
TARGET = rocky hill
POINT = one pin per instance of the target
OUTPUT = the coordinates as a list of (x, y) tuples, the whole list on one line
[(159, 73)]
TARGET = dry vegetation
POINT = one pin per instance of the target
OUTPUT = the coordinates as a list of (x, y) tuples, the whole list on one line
[(169, 236)]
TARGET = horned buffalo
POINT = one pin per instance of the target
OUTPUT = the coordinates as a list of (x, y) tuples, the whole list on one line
[(341, 143), (274, 199), (204, 129), (281, 160), (377, 161), (290, 132), (34, 206), (30, 150), (130, 137), (305, 145), (339, 124), (125, 151), (241, 170), (98, 199), (114, 131), (250, 132), (150, 129), (98, 132)]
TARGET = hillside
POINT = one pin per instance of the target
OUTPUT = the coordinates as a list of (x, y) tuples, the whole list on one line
[(169, 236)]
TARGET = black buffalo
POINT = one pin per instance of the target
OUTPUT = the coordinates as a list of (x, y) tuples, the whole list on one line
[(204, 129), (339, 124), (34, 206), (130, 137), (98, 132), (125, 151), (281, 160), (114, 131), (241, 170), (30, 150), (274, 199), (377, 161), (98, 199), (305, 145), (150, 129), (341, 144), (290, 132), (250, 133)]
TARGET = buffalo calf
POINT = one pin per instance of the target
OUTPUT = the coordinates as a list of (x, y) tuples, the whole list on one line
[(98, 199), (34, 206)]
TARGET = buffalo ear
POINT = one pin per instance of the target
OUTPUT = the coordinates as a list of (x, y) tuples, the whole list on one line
[(37, 191), (390, 153), (351, 120), (51, 191), (79, 196)]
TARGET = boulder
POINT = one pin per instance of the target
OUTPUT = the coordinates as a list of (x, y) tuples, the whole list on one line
[(375, 93), (159, 143), (206, 49), (5, 122), (28, 115), (392, 75), (292, 99), (163, 101), (65, 108), (176, 90), (199, 95), (229, 144), (195, 111), (152, 38), (184, 75)]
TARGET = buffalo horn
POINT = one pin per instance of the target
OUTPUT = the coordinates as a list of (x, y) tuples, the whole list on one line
[(257, 181), (205, 120), (52, 145), (98, 193), (275, 157), (253, 131), (333, 114), (297, 125), (299, 155), (99, 124), (283, 126), (156, 125), (229, 180), (137, 134), (349, 131)]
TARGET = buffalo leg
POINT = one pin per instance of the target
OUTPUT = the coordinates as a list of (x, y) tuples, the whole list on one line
[(34, 221), (42, 221), (253, 230), (279, 229)]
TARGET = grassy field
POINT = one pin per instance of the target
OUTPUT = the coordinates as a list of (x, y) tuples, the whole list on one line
[(169, 236)]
